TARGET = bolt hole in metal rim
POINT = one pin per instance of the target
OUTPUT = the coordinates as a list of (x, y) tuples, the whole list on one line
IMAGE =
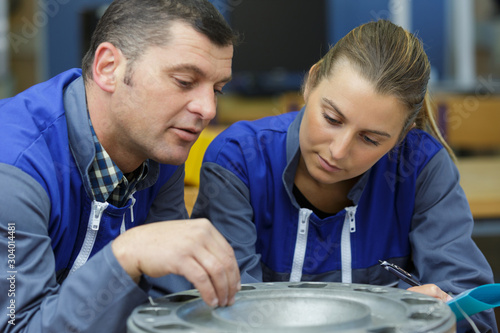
[(297, 307)]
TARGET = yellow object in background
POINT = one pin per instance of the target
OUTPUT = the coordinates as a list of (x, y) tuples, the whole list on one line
[(195, 158), (248, 109)]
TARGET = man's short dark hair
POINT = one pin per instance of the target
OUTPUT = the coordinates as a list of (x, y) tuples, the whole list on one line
[(134, 25)]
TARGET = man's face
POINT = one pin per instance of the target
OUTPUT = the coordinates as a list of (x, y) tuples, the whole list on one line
[(159, 110)]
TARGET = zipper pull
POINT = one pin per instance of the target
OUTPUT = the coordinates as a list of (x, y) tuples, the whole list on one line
[(302, 228), (132, 207), (303, 217), (122, 227), (96, 212), (351, 211)]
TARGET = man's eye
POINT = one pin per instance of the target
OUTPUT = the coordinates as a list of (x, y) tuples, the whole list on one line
[(184, 84)]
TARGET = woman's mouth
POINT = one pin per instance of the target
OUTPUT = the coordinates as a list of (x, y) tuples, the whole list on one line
[(327, 166)]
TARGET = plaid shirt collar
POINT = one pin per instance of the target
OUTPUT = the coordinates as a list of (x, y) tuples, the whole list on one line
[(107, 181)]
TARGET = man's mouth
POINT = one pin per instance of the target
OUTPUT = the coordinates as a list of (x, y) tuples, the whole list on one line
[(188, 134)]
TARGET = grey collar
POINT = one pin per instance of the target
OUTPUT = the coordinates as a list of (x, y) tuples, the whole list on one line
[(80, 136)]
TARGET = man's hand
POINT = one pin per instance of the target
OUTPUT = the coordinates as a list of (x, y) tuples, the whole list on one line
[(432, 290), (191, 248)]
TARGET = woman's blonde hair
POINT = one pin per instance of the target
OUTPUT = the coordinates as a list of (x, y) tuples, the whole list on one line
[(392, 59)]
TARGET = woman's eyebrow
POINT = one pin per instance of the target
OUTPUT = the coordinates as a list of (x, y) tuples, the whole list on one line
[(379, 133), (333, 106)]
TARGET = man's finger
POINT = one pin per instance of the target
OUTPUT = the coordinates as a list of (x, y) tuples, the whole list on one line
[(199, 277)]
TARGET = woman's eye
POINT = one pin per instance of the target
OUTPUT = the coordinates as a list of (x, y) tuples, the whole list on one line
[(218, 92), (368, 140), (331, 120)]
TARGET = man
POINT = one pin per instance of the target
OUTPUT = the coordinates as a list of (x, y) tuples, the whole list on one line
[(91, 159)]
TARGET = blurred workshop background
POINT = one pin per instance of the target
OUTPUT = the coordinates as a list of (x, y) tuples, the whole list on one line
[(282, 39)]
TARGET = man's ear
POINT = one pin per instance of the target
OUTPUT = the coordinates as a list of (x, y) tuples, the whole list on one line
[(105, 69)]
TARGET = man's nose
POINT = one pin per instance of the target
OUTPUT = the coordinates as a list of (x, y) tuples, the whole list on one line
[(204, 104)]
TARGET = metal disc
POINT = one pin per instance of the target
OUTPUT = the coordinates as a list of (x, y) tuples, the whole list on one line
[(297, 307)]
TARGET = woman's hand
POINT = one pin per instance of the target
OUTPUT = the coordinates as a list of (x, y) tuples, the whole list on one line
[(432, 290)]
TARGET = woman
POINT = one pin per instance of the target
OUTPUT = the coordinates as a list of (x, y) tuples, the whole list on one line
[(360, 174)]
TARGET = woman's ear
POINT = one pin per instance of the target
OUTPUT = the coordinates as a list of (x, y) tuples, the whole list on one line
[(412, 126), (311, 77), (107, 60), (408, 129)]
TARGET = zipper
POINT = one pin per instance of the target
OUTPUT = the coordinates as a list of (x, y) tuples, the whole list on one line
[(132, 207), (123, 227), (96, 212), (300, 245), (345, 243)]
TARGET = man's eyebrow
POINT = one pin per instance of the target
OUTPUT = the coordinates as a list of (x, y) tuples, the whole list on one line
[(336, 109), (196, 70)]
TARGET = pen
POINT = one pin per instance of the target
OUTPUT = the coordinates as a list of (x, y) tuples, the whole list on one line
[(400, 273)]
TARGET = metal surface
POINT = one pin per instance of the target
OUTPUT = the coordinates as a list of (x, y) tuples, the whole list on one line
[(297, 307)]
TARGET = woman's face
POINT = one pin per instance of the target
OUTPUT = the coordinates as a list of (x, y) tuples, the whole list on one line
[(347, 126)]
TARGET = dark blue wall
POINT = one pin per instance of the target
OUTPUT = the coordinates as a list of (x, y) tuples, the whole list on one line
[(64, 35), (428, 22)]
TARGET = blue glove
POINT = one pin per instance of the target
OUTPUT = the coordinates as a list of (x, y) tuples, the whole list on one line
[(476, 300)]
